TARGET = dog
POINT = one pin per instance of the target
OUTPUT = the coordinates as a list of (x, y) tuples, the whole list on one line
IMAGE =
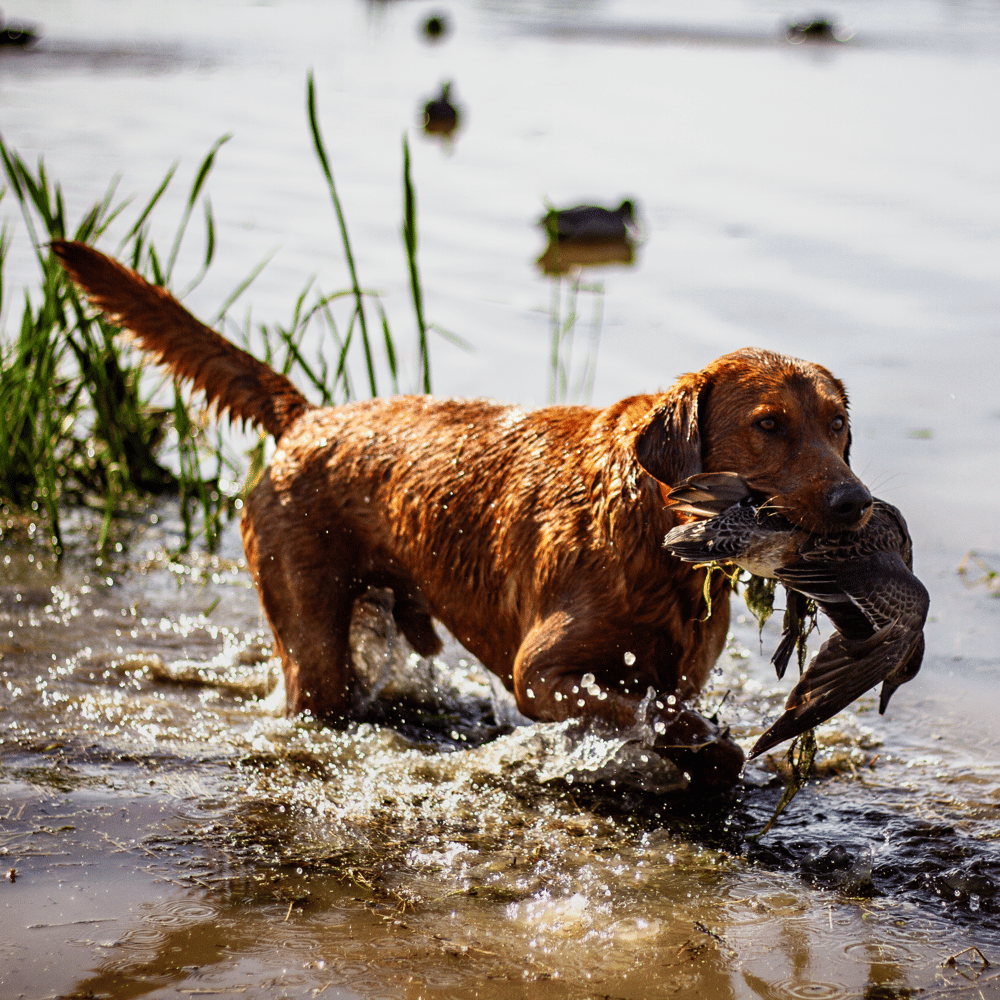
[(534, 537)]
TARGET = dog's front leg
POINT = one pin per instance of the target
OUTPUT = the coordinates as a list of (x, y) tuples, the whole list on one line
[(565, 669)]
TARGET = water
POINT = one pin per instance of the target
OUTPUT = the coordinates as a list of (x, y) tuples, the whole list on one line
[(169, 833)]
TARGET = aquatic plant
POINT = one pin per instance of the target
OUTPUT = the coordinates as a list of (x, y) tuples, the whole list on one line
[(563, 324), (82, 423), (76, 425), (988, 578)]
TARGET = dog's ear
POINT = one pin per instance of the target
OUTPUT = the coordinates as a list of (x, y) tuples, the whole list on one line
[(847, 408), (841, 391), (668, 447)]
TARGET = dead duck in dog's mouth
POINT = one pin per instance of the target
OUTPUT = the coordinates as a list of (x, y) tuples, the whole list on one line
[(862, 580)]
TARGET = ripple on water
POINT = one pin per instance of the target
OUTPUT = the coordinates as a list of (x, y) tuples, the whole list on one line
[(184, 913), (458, 837), (883, 952), (809, 991)]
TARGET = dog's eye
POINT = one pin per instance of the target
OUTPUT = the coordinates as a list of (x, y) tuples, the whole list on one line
[(839, 423), (767, 424)]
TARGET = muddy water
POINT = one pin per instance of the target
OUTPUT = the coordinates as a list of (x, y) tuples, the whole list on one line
[(168, 833)]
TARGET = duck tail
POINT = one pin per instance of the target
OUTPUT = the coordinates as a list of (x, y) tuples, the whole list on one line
[(233, 381)]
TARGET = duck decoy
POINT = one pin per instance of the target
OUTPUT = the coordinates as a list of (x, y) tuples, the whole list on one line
[(818, 30), (436, 27), (13, 35), (862, 580), (591, 223), (441, 116)]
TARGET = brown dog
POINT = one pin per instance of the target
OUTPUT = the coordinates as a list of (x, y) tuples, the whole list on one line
[(536, 538)]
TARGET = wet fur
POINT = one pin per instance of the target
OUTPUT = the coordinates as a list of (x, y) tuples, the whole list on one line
[(535, 537)]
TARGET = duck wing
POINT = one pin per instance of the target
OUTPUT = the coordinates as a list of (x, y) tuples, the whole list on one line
[(843, 670), (906, 671), (708, 493), (862, 594), (791, 629), (885, 531), (722, 538)]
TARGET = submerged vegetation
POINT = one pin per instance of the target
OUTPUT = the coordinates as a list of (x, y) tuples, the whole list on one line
[(84, 424)]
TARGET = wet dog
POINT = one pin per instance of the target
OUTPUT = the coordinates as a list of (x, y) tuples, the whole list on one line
[(535, 537)]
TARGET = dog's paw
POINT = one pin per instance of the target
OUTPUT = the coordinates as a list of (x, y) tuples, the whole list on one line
[(708, 756)]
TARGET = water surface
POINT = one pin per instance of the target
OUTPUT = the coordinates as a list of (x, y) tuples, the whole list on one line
[(170, 834)]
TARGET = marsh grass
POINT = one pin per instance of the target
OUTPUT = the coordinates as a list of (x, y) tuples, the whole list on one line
[(82, 421), (569, 383)]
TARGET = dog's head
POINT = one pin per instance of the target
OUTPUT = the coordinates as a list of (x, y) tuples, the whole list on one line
[(780, 422)]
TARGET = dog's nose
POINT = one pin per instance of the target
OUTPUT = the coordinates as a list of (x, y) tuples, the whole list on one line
[(848, 502)]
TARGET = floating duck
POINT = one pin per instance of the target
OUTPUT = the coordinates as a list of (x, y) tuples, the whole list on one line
[(436, 27), (818, 30), (862, 580), (441, 117), (591, 223), (18, 36)]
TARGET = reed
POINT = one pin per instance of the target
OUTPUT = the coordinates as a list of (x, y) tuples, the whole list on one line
[(563, 388), (81, 420)]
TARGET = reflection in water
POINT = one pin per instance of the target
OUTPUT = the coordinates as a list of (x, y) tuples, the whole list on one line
[(585, 236), (563, 255), (563, 387), (441, 116)]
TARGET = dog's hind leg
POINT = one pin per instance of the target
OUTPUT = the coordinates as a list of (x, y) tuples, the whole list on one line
[(411, 612), (306, 583)]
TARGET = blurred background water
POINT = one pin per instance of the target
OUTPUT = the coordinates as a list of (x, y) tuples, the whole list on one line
[(839, 201)]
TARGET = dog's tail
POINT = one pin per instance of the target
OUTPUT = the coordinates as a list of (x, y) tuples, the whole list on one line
[(233, 381)]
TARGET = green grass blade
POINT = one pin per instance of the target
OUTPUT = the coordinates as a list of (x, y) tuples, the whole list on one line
[(452, 338), (200, 178), (243, 286), (11, 171), (410, 241), (345, 239), (209, 251), (150, 205), (390, 349)]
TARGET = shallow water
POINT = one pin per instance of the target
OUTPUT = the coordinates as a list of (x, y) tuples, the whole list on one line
[(169, 834)]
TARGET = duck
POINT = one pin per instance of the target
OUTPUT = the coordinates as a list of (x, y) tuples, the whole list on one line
[(441, 116), (818, 30), (19, 36), (591, 223), (862, 580), (436, 27)]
